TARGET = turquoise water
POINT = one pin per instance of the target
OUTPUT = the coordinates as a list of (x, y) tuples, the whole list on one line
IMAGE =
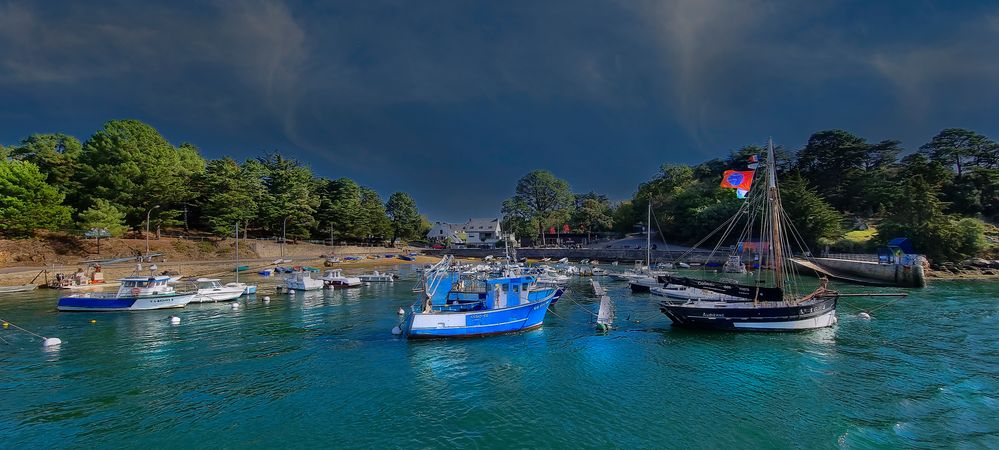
[(323, 369)]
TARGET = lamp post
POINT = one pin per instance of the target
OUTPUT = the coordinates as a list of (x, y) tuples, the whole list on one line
[(147, 227), (284, 230)]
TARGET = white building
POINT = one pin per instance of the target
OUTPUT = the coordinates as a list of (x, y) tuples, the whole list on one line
[(474, 232)]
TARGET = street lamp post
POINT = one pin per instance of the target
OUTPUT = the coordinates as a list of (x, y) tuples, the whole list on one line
[(284, 230), (147, 227)]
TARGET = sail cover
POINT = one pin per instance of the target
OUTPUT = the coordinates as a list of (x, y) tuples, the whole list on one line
[(758, 293)]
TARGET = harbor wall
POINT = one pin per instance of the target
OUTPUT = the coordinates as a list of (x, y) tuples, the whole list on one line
[(575, 254), (911, 275)]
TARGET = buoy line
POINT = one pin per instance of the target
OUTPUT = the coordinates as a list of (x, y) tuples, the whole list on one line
[(46, 341)]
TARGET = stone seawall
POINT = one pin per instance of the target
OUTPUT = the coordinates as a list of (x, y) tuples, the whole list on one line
[(892, 274)]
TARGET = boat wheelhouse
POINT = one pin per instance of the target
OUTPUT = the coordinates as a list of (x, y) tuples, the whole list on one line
[(302, 281)]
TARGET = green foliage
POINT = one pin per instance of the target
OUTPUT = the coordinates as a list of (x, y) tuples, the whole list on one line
[(288, 202), (814, 219), (918, 214), (541, 198), (340, 209), (56, 155), (103, 215), (131, 165), (592, 212), (229, 194), (406, 220), (961, 149), (517, 218), (376, 223), (27, 202)]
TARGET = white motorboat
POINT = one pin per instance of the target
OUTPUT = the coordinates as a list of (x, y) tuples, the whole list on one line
[(135, 294), (377, 277), (336, 278), (212, 290), (247, 288), (302, 281), (17, 288), (685, 293)]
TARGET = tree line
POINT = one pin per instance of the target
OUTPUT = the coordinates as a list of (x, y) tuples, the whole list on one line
[(940, 196), (127, 171)]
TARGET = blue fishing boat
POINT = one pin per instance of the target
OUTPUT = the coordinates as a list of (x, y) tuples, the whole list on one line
[(135, 294), (454, 305)]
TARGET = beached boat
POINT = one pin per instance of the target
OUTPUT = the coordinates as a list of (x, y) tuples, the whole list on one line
[(336, 278), (407, 258), (771, 302), (302, 281), (18, 288), (212, 290), (455, 306), (377, 277), (136, 293)]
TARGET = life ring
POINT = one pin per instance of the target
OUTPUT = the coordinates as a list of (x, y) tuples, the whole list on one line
[(136, 291)]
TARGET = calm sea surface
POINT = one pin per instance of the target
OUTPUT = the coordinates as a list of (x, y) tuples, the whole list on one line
[(323, 369)]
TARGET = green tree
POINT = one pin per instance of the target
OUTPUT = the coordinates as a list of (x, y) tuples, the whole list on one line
[(288, 203), (229, 194), (517, 218), (960, 149), (376, 222), (918, 214), (833, 160), (103, 215), (131, 165), (816, 222), (401, 209), (340, 209), (547, 199), (27, 202), (56, 155), (592, 212)]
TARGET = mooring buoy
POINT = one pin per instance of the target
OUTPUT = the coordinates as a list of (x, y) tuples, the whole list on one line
[(174, 320)]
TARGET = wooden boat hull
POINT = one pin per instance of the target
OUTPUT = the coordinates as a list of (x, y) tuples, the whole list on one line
[(813, 314)]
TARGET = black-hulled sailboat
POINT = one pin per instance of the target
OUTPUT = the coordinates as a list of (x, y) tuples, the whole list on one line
[(771, 302)]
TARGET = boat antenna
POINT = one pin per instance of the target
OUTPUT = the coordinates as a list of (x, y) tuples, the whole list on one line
[(648, 236), (237, 251)]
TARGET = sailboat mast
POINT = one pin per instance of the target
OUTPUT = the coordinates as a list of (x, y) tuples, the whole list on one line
[(775, 223), (648, 237)]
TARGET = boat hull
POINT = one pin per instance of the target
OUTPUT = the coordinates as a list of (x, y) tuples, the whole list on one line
[(111, 304), (435, 325), (744, 316), (218, 295)]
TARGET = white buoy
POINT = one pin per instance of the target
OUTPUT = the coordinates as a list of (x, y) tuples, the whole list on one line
[(174, 320), (864, 315), (396, 330), (235, 305), (51, 342), (291, 292), (402, 312), (267, 298)]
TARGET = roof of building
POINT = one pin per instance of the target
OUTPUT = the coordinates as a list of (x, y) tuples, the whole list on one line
[(481, 224)]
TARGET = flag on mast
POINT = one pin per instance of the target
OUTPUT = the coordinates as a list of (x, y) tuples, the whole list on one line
[(737, 179)]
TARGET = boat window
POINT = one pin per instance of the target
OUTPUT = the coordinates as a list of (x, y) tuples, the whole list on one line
[(128, 284)]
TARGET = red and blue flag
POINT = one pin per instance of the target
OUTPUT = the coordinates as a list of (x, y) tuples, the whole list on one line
[(737, 179)]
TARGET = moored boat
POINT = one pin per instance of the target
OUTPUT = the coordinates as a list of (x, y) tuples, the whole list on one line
[(336, 278), (18, 288), (376, 277), (455, 306), (135, 294), (212, 290), (771, 301), (302, 281)]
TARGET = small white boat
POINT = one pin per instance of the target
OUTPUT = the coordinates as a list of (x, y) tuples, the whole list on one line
[(376, 277), (598, 271), (644, 284), (247, 288), (18, 288), (335, 277), (685, 293), (135, 294), (302, 281), (212, 290)]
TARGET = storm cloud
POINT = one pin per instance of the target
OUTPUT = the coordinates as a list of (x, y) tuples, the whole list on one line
[(452, 100)]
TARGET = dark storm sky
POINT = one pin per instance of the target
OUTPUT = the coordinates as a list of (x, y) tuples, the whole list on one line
[(452, 101)]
